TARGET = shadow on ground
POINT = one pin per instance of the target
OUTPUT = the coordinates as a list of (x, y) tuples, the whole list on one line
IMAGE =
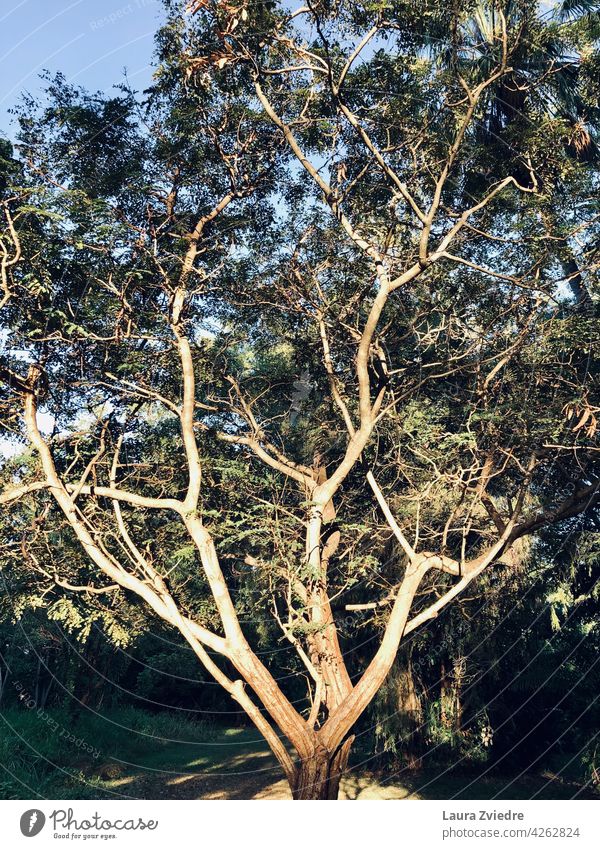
[(237, 766)]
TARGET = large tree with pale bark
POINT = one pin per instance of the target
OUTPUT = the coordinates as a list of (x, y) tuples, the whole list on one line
[(294, 340)]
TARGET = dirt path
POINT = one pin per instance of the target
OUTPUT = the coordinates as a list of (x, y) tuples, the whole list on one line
[(262, 782), (248, 772)]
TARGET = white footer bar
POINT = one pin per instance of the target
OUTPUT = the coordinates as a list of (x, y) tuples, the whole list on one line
[(292, 825)]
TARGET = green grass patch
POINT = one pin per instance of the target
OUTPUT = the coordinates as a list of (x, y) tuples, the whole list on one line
[(54, 754)]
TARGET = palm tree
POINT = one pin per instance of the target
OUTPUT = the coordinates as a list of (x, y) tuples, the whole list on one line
[(548, 51)]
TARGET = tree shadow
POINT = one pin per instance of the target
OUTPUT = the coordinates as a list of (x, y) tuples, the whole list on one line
[(211, 771)]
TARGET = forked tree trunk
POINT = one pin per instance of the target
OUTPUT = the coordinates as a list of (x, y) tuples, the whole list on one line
[(319, 777)]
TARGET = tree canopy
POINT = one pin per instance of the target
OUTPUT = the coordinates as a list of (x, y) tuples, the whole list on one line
[(315, 324)]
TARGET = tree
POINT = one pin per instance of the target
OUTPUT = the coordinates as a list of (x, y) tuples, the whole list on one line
[(550, 76), (282, 339)]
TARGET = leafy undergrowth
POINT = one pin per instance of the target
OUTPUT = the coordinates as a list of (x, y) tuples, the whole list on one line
[(53, 754)]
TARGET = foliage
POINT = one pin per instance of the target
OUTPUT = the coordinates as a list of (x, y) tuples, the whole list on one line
[(315, 320)]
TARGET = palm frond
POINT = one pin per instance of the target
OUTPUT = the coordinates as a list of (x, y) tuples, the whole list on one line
[(570, 9)]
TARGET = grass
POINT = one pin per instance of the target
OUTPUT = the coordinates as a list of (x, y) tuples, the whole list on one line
[(53, 754), (130, 753)]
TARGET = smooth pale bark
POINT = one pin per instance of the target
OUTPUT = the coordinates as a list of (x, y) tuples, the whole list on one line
[(327, 654), (158, 598), (340, 723)]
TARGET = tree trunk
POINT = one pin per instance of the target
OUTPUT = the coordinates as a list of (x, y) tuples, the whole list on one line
[(319, 776), (410, 715), (445, 697), (574, 277), (460, 667)]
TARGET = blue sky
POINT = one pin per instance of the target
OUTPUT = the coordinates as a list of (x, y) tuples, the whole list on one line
[(90, 41)]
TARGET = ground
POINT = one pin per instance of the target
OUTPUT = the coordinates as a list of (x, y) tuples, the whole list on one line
[(235, 765)]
